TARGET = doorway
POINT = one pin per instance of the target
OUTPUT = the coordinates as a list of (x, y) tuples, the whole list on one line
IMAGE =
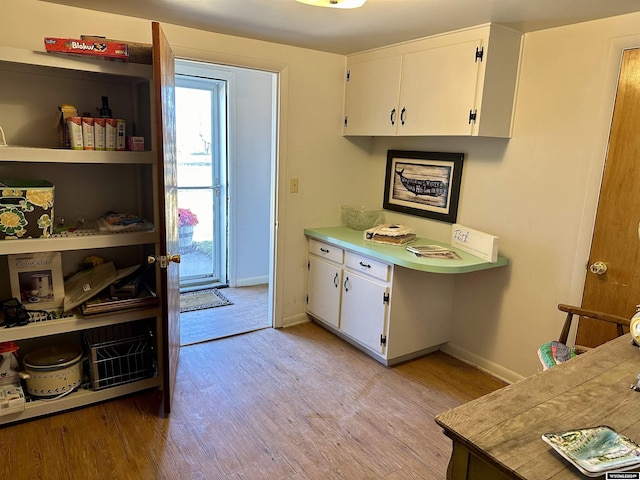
[(612, 284), (231, 189)]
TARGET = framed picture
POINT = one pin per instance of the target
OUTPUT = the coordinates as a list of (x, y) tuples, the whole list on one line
[(36, 280), (423, 183)]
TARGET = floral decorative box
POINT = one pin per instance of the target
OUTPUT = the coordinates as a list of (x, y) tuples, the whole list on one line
[(26, 209)]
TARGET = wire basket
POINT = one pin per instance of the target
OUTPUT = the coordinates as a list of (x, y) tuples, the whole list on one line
[(119, 354)]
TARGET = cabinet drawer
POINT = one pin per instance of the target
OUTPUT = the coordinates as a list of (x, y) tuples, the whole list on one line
[(363, 264), (324, 250)]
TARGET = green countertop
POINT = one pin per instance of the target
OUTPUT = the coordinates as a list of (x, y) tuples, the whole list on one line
[(353, 240)]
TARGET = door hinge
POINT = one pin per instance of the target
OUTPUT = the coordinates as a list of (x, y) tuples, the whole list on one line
[(473, 114), (346, 120), (307, 299), (308, 265), (479, 53), (383, 339), (385, 297), (348, 75)]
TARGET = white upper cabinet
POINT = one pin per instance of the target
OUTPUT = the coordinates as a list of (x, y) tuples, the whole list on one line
[(461, 83), (371, 101), (439, 90)]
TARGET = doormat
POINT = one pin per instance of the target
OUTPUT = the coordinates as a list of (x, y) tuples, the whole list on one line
[(202, 299)]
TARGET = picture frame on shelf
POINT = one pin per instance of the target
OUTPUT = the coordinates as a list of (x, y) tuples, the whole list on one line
[(36, 280), (426, 184)]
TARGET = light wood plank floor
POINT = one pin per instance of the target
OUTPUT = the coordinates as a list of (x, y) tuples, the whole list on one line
[(289, 404), (249, 312)]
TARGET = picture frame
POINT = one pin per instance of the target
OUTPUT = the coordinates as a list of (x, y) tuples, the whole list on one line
[(36, 280), (426, 184)]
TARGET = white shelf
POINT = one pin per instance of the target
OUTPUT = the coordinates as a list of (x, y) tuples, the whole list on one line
[(87, 183), (83, 63), (61, 155), (85, 242), (79, 398), (74, 323)]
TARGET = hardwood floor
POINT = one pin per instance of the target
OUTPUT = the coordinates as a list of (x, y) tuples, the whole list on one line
[(249, 312), (289, 404)]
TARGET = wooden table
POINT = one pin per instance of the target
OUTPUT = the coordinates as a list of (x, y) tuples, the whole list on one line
[(498, 436)]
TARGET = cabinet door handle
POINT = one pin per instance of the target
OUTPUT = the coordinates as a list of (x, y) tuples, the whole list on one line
[(402, 115), (324, 250), (365, 265), (336, 281), (392, 117), (347, 284)]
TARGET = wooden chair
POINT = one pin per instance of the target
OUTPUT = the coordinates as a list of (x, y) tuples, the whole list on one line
[(547, 352), (620, 322)]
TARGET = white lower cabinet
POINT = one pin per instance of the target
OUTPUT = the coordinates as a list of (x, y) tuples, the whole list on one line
[(390, 312), (325, 280), (365, 311)]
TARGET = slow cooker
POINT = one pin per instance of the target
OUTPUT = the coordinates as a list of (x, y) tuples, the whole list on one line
[(52, 371)]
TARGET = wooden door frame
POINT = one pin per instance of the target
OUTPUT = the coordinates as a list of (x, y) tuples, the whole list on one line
[(597, 161), (277, 266)]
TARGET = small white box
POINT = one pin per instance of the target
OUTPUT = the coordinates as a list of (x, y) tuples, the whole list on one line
[(36, 280), (87, 133), (11, 399), (99, 133), (121, 133), (111, 134)]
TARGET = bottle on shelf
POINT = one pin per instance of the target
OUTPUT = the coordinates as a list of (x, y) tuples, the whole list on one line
[(105, 111)]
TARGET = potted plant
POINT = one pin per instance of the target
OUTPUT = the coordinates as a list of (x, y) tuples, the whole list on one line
[(186, 221)]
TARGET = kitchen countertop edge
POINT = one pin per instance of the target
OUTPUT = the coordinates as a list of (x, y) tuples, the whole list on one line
[(353, 240)]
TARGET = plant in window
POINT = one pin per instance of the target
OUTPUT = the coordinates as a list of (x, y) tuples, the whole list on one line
[(186, 218)]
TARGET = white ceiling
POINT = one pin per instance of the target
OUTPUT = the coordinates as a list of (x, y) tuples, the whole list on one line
[(377, 23)]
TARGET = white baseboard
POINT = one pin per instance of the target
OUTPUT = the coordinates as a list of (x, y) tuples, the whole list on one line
[(483, 364), (295, 320), (250, 282)]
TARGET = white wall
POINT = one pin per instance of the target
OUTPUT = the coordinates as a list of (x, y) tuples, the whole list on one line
[(250, 177), (537, 191)]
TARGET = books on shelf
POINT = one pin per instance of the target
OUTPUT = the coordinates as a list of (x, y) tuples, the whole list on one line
[(123, 222), (595, 450), (433, 251), (105, 303), (89, 283)]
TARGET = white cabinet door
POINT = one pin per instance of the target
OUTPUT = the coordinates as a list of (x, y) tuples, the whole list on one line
[(371, 97), (323, 290), (364, 310), (438, 90)]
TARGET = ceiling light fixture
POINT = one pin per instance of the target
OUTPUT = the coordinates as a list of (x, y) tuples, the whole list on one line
[(334, 3)]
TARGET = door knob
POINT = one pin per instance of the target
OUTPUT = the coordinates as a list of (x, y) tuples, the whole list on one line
[(599, 268), (163, 260)]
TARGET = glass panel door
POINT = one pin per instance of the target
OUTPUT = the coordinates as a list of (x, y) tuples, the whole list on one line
[(201, 146)]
